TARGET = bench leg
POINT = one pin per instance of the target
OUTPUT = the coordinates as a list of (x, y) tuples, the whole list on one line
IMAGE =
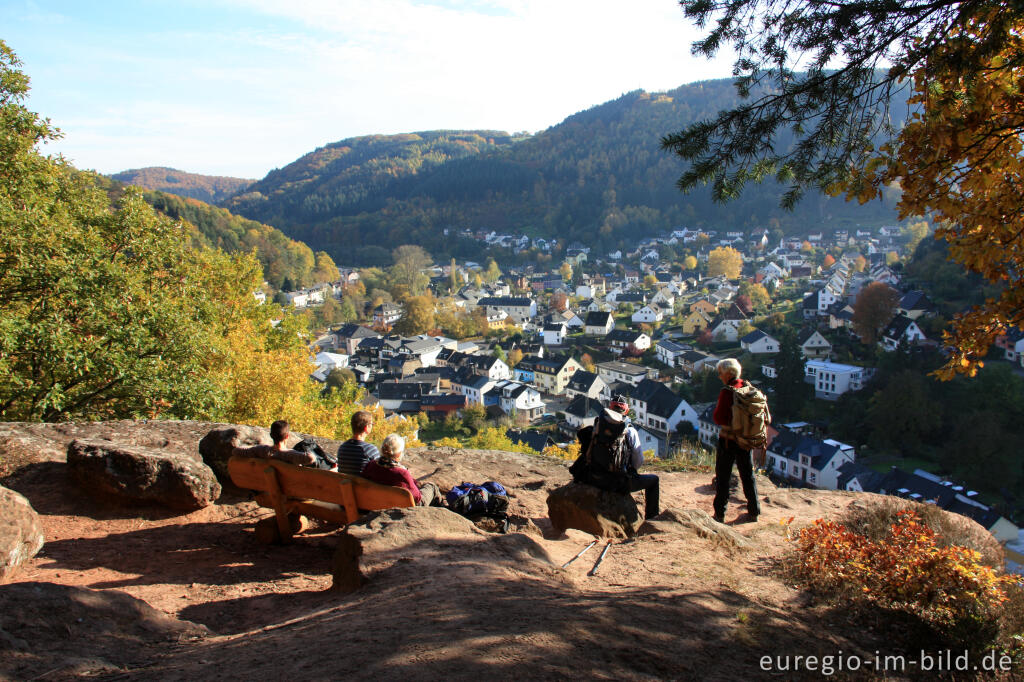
[(284, 526), (348, 497)]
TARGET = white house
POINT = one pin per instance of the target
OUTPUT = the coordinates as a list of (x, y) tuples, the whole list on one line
[(669, 352), (726, 329), (521, 400), (598, 323), (813, 344), (901, 329), (832, 379), (614, 371), (759, 342), (799, 457), (554, 334), (586, 384), (658, 409), (650, 314)]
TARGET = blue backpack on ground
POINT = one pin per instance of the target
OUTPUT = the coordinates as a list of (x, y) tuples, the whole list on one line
[(484, 499)]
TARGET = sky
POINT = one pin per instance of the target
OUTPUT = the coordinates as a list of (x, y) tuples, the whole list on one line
[(240, 87)]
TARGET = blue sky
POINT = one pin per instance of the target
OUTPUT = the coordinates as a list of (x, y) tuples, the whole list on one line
[(239, 87)]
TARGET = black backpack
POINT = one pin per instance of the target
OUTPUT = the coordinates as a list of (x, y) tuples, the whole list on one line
[(603, 460), (310, 446)]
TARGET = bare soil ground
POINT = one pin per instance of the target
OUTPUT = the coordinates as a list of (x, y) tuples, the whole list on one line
[(442, 599)]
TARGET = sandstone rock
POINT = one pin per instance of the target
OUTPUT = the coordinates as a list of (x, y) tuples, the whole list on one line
[(695, 522), (63, 632), (142, 475), (21, 533), (599, 512), (421, 539), (216, 446)]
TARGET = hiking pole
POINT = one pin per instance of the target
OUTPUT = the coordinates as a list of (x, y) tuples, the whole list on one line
[(582, 552), (593, 571)]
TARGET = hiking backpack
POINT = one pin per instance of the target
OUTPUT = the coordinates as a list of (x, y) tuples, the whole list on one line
[(606, 456), (485, 499), (310, 446), (750, 416)]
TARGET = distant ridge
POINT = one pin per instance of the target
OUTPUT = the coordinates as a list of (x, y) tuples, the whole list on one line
[(209, 188), (599, 177)]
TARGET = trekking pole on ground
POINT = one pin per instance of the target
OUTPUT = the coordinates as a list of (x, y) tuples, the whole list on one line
[(582, 552), (593, 571)]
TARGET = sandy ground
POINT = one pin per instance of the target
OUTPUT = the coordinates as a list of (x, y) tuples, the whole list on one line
[(442, 598)]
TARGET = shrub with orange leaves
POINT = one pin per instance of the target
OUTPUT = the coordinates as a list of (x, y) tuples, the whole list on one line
[(907, 570)]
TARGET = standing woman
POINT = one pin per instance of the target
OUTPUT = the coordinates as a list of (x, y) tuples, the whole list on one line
[(388, 471)]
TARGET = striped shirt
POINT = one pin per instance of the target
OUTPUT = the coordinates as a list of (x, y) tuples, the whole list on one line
[(354, 454)]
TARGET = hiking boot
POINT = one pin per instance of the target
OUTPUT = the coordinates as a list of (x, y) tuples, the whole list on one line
[(719, 517)]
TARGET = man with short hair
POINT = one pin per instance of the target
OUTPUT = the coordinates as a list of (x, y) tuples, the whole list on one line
[(354, 453), (729, 450), (627, 480), (279, 432)]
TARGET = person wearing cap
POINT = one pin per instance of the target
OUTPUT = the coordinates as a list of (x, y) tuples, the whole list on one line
[(616, 413), (729, 451)]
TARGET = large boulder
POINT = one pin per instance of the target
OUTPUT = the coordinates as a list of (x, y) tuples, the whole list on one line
[(216, 446), (21, 534), (586, 508), (696, 523), (142, 475)]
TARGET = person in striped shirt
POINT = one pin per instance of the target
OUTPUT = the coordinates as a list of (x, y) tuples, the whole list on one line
[(354, 453)]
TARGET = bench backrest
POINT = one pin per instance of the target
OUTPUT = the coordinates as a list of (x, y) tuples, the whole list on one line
[(316, 484)]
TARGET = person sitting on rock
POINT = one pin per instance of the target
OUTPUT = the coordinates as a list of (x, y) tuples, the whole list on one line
[(354, 453), (610, 454), (279, 433), (387, 470)]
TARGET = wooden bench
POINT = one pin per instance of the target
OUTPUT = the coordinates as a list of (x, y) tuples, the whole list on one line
[(291, 490)]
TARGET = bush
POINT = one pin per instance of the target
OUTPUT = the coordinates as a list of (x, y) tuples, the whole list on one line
[(908, 570)]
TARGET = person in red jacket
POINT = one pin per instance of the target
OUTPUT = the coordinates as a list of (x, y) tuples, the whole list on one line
[(387, 470), (729, 451)]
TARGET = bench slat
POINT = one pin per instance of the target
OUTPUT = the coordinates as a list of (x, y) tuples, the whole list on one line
[(294, 489)]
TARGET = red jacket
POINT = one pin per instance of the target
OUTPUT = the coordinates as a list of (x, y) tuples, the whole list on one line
[(723, 410), (397, 476)]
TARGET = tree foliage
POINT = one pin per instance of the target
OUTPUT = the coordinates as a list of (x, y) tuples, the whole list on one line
[(873, 309), (957, 64), (725, 260)]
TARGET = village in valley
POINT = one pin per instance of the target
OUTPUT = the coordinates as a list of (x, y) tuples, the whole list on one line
[(538, 351)]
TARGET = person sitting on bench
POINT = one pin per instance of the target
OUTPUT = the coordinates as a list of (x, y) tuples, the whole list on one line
[(387, 470), (279, 432)]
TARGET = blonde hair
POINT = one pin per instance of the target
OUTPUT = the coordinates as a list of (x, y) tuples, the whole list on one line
[(730, 366), (393, 446)]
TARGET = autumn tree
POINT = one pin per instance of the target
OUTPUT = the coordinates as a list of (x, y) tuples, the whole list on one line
[(957, 159), (566, 271), (725, 260), (407, 276), (859, 263), (915, 232), (756, 294), (493, 272), (690, 263), (587, 362), (828, 261), (418, 316), (559, 301), (324, 269), (874, 308), (515, 356)]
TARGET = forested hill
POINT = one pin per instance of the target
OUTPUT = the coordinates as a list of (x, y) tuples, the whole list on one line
[(208, 188), (600, 177), (284, 260)]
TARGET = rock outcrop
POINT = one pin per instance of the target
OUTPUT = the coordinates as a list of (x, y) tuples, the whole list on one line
[(695, 522), (21, 534), (71, 631), (586, 508), (140, 474), (216, 446)]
